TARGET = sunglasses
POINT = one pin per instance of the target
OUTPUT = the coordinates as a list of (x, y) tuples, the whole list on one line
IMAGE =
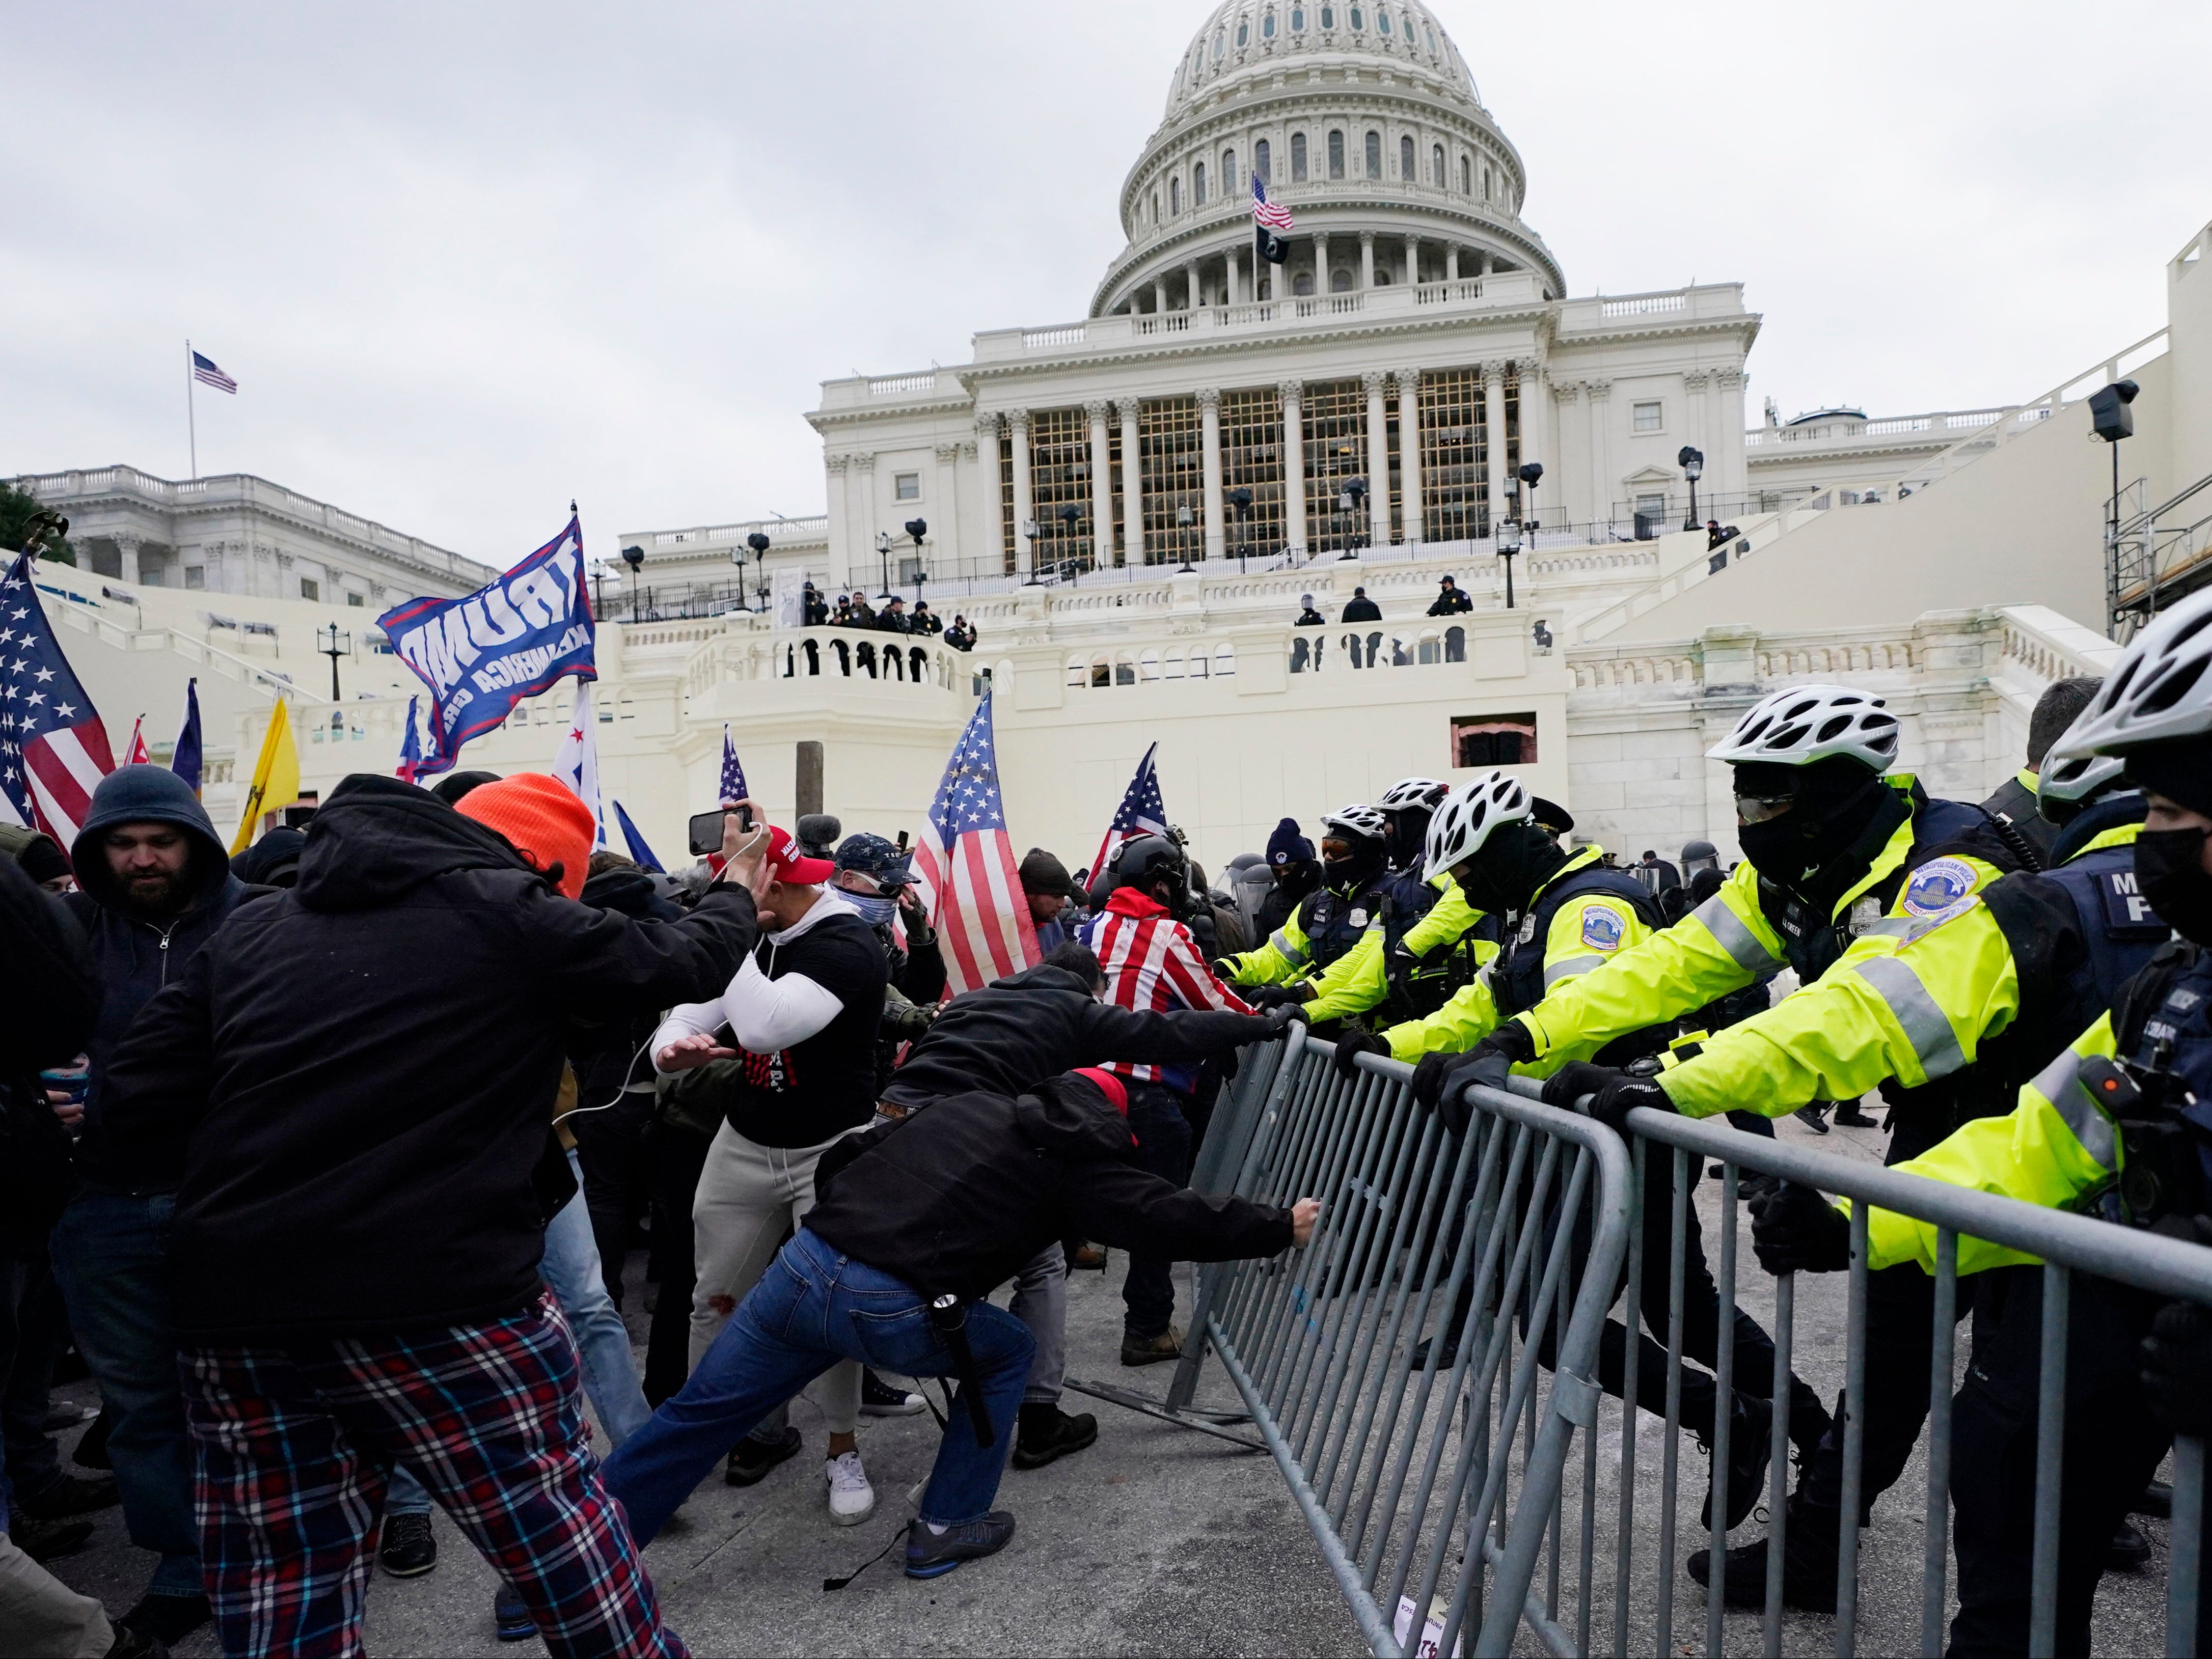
[(1758, 809)]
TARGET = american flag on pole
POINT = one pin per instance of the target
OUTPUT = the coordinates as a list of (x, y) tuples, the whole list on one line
[(967, 871), (1268, 216), (205, 371), (733, 775), (1141, 812), (53, 748)]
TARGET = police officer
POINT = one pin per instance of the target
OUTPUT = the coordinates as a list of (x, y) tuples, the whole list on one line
[(1424, 941), (1564, 913), (1329, 922), (2116, 1126), (2015, 803)]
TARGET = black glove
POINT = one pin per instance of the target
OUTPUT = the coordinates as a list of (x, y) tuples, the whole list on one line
[(1622, 1096), (1274, 996), (1284, 1015), (1512, 1040), (1795, 1229), (1352, 1045), (1575, 1080), (2176, 1359), (1440, 1081)]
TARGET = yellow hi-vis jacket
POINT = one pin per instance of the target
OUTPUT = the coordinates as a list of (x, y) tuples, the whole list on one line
[(1586, 932), (1358, 980), (1913, 998), (2058, 1149), (1723, 945), (1284, 957)]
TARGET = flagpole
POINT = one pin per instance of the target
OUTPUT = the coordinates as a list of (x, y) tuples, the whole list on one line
[(192, 415)]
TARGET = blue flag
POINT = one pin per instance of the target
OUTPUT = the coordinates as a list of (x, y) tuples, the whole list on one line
[(411, 747), (509, 639), (185, 762), (638, 849)]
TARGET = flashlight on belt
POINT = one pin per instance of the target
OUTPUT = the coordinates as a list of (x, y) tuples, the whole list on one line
[(949, 1315)]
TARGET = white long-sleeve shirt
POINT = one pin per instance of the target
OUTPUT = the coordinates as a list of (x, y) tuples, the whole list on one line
[(763, 1014)]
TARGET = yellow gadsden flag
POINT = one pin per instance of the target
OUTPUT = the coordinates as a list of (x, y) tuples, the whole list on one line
[(276, 777)]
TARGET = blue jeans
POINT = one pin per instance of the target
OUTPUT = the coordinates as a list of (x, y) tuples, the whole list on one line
[(111, 1253), (570, 1268), (810, 1308)]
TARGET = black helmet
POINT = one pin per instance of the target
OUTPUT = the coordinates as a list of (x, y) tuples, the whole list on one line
[(1143, 860)]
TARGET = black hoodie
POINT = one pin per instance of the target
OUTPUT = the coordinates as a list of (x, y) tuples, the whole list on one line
[(958, 1197), (355, 1077)]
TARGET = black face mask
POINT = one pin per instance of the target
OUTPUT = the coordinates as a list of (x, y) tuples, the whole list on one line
[(2168, 869), (1505, 875), (1833, 810)]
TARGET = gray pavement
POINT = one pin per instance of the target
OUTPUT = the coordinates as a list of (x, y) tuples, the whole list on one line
[(1155, 1540)]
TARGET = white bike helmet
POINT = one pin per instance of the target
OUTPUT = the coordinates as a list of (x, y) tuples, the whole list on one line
[(1468, 817), (2072, 781), (1354, 823), (1413, 795), (1808, 723), (2159, 690)]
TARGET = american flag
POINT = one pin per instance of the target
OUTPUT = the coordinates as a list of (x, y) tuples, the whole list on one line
[(733, 775), (53, 748), (967, 871), (205, 371), (1268, 216), (1141, 813)]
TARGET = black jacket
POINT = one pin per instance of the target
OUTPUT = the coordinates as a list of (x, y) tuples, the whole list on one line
[(958, 1197), (606, 1053), (136, 958), (1450, 602), (356, 1077), (48, 999), (2015, 803), (1363, 610), (1018, 1031)]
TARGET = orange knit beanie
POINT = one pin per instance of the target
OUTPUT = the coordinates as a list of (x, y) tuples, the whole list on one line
[(544, 819)]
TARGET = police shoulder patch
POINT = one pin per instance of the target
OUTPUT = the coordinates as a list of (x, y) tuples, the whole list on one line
[(1601, 928), (1937, 885)]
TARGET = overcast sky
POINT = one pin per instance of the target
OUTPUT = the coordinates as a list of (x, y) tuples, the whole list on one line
[(468, 261)]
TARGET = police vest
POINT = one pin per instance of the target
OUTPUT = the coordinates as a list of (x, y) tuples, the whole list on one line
[(2163, 1027), (1516, 979), (1334, 922)]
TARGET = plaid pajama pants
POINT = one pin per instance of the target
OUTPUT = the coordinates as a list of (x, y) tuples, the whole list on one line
[(293, 1447)]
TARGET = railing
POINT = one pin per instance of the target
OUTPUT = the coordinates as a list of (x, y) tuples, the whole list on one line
[(1067, 334), (1646, 305), (900, 386), (847, 654), (2147, 561), (813, 529), (1938, 425), (84, 615)]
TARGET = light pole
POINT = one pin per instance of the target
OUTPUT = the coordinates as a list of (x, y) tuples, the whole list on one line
[(1348, 502), (758, 541), (915, 530), (1184, 522), (333, 644), (1508, 543), (884, 552), (1693, 463), (1240, 502), (1030, 533), (1532, 474), (634, 558)]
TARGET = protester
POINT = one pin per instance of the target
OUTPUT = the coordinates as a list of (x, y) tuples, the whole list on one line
[(273, 860), (1050, 890), (153, 887), (37, 855), (956, 1199), (363, 1170), (49, 985), (454, 787), (803, 1009)]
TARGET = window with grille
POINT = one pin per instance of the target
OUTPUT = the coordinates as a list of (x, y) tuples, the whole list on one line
[(1494, 739), (906, 486), (1228, 171), (1375, 156), (310, 588), (1454, 491), (1006, 525), (1647, 417), (1263, 156), (1336, 155), (1060, 478), (1335, 451), (1406, 159), (1298, 158), (1252, 459), (1175, 197), (1171, 467), (1466, 168), (1436, 166)]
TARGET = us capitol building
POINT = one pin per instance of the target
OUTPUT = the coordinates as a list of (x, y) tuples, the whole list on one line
[(1130, 506)]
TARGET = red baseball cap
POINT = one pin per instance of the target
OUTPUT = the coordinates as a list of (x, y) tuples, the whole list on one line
[(790, 865), (1116, 1092)]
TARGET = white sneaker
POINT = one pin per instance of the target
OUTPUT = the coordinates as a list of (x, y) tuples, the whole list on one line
[(851, 1500)]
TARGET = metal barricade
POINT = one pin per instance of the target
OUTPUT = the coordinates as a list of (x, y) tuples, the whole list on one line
[(2066, 1244), (1428, 1461)]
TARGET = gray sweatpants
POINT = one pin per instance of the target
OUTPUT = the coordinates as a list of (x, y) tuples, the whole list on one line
[(42, 1618)]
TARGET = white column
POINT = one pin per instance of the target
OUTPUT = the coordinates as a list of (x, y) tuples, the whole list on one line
[(864, 562), (1493, 426), (1413, 260), (1409, 450), (1017, 425), (1536, 437), (1133, 487), (945, 511), (1294, 467), (1196, 298), (1159, 293), (1102, 484), (1698, 431), (1321, 263), (1727, 399), (1568, 483), (1379, 460), (126, 548), (1602, 483), (983, 510), (1451, 262), (1230, 296), (1209, 428), (838, 467), (1366, 260)]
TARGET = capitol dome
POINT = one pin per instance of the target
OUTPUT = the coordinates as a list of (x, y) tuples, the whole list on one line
[(1364, 123)]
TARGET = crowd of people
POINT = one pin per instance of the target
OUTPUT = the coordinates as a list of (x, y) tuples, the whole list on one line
[(891, 616), (328, 1160)]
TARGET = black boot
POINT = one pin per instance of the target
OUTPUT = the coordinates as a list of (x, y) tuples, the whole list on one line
[(1751, 1442), (1046, 1432), (1808, 1566)]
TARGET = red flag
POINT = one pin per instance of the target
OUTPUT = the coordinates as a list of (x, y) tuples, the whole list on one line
[(137, 755)]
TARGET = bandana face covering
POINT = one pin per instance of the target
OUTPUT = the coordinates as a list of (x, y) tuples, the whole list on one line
[(876, 912), (2170, 870)]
